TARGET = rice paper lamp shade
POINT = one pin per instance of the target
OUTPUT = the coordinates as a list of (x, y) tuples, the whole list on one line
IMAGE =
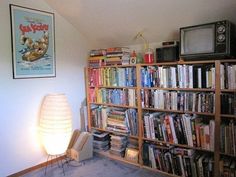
[(55, 123)]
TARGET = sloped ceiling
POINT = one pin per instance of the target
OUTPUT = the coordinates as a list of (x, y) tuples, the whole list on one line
[(110, 23)]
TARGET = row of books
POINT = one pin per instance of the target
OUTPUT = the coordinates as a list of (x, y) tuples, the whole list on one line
[(179, 129), (188, 76), (125, 97), (227, 167), (181, 76), (175, 100), (119, 120), (228, 138), (178, 161), (228, 103), (112, 77)]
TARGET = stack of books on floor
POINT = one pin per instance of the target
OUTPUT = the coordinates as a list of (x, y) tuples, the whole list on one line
[(118, 145), (101, 141)]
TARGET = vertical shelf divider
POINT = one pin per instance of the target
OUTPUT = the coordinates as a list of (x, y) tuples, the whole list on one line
[(217, 119), (140, 123), (87, 95)]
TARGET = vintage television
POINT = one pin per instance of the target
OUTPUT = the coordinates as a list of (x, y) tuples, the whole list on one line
[(208, 41), (168, 52)]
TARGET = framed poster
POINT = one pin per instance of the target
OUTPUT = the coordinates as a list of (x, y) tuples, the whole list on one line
[(33, 43)]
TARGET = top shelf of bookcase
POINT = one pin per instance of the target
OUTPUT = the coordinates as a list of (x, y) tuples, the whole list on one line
[(181, 62)]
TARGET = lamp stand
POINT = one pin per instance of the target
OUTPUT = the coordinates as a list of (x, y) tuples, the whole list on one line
[(58, 159)]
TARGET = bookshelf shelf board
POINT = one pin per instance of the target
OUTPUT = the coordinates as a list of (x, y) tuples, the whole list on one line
[(181, 89), (160, 64), (228, 155), (197, 62), (228, 116), (163, 110), (114, 157), (200, 113), (116, 133), (181, 112), (113, 87), (229, 90), (228, 61), (113, 66), (180, 63), (178, 145), (159, 171), (114, 105)]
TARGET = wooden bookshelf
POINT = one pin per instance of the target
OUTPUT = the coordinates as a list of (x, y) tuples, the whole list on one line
[(216, 116)]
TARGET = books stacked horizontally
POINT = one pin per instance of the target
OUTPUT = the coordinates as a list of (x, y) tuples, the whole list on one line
[(101, 141), (96, 58), (118, 145), (117, 56), (116, 120), (109, 56)]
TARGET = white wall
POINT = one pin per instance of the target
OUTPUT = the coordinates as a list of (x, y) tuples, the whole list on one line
[(21, 98)]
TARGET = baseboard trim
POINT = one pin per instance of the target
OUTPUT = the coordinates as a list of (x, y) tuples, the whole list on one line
[(36, 167)]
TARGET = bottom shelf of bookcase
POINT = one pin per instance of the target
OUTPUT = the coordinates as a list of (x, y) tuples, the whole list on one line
[(108, 155), (159, 171), (114, 157)]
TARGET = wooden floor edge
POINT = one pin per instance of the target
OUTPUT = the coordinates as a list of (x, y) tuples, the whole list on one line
[(36, 167)]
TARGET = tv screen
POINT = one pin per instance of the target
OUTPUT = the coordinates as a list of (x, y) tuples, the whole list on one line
[(198, 40)]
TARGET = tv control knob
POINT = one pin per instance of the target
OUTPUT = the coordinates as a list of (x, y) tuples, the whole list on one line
[(221, 38), (221, 29)]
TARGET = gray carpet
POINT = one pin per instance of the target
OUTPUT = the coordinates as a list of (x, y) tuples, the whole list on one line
[(98, 166)]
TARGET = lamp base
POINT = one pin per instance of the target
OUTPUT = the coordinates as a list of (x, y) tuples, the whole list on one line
[(55, 158)]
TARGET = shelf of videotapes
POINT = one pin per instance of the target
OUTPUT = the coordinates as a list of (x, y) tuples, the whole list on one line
[(228, 119), (183, 130), (177, 161)]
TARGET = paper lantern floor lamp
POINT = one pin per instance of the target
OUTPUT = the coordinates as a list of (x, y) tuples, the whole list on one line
[(55, 124)]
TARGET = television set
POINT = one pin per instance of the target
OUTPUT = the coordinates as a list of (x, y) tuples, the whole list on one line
[(207, 41)]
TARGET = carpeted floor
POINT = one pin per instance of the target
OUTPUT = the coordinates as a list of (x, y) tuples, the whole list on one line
[(98, 166)]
